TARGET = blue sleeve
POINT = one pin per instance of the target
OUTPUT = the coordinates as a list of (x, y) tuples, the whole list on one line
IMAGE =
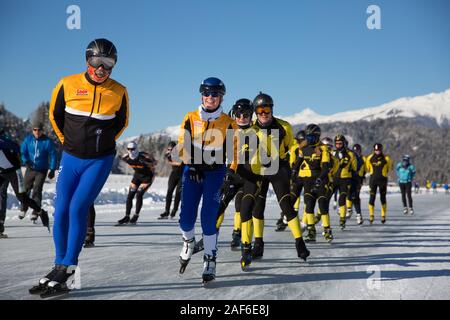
[(52, 154), (24, 151)]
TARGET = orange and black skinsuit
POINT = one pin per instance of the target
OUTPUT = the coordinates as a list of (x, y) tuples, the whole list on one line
[(313, 165), (378, 166), (342, 179)]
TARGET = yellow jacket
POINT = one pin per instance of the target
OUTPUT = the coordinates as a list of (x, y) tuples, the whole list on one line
[(378, 166)]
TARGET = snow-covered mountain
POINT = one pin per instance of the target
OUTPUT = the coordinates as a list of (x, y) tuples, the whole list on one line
[(433, 106)]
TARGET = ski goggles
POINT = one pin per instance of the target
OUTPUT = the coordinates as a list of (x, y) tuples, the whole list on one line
[(312, 139), (213, 94), (131, 149), (263, 110), (107, 63)]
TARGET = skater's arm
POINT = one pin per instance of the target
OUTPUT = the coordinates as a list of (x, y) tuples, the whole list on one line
[(57, 110)]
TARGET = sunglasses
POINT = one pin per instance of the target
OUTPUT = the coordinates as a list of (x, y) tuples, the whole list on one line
[(242, 114), (263, 110), (131, 149), (213, 94), (107, 63)]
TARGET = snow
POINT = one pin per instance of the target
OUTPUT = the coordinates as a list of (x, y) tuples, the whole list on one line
[(407, 258), (433, 105)]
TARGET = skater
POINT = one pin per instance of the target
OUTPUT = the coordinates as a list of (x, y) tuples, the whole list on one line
[(10, 172), (202, 142), (417, 188), (174, 183), (88, 112), (144, 175), (378, 166), (296, 181), (89, 241), (342, 179), (314, 164), (357, 182), (38, 155), (428, 186), (434, 187), (275, 139), (446, 189), (406, 173)]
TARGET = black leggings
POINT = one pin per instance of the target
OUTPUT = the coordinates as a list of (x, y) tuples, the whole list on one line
[(297, 186), (321, 196), (405, 188), (355, 194), (343, 185), (380, 183), (174, 182), (281, 187), (16, 180), (139, 193)]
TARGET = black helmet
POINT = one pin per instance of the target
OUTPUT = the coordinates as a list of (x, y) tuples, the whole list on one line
[(327, 141), (101, 48), (312, 132), (171, 144), (357, 148), (301, 135), (262, 100), (242, 106), (213, 84), (378, 146), (340, 137)]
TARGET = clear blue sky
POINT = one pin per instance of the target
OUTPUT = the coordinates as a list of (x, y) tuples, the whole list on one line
[(316, 54)]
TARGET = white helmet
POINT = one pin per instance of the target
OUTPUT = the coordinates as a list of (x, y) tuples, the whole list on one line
[(131, 145)]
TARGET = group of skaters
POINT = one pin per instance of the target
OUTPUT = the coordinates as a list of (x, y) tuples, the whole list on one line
[(219, 157)]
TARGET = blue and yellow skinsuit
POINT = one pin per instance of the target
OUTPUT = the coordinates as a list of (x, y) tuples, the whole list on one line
[(87, 117)]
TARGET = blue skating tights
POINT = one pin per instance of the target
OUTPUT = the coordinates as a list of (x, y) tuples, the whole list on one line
[(79, 183)]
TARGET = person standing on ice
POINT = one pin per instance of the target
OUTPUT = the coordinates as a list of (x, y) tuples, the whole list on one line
[(406, 173), (202, 142), (144, 174), (88, 112)]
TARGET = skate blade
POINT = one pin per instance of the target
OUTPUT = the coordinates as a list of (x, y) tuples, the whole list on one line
[(183, 268), (55, 295), (121, 225), (3, 236), (208, 283)]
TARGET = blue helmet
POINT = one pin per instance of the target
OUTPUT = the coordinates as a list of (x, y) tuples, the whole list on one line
[(213, 84), (406, 157)]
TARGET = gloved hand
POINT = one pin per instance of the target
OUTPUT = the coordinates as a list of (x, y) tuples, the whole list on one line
[(51, 174), (317, 185), (29, 165), (195, 174)]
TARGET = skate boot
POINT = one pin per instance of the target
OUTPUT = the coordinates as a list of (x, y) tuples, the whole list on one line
[(328, 235), (235, 239), (173, 213), (302, 251), (311, 236), (209, 268), (2, 229), (349, 213), (44, 218), (123, 221), (342, 223), (164, 215), (90, 238), (281, 226), (371, 218), (34, 216), (186, 253), (134, 219), (258, 248), (411, 211), (40, 287), (246, 258), (405, 211), (60, 284), (359, 219), (199, 246), (22, 214), (383, 220)]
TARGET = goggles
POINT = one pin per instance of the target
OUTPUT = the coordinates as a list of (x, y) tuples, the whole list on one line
[(263, 110), (107, 63), (312, 139), (213, 94)]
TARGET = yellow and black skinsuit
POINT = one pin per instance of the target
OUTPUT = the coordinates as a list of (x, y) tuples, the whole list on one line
[(357, 182), (342, 179), (378, 167), (257, 180), (277, 148), (314, 164)]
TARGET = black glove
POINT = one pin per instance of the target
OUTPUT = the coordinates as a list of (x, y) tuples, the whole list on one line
[(195, 174), (317, 185), (228, 182), (29, 165), (51, 174)]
